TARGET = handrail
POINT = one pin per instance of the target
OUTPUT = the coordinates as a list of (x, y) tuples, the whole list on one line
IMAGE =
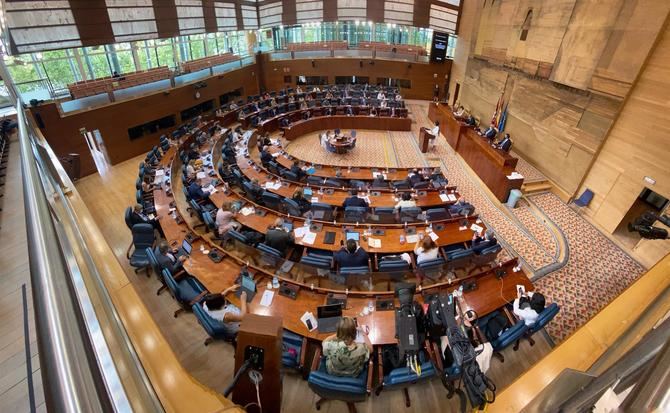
[(71, 382)]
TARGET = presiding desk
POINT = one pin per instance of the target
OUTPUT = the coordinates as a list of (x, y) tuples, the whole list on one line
[(491, 293), (319, 123), (490, 164)]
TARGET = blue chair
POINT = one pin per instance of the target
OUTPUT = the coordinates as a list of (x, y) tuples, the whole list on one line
[(403, 377), (187, 291), (354, 270), (294, 349), (314, 180), (543, 319), (437, 214), (157, 268), (486, 257), (584, 199), (324, 211), (356, 184), (232, 234), (288, 175), (385, 215), (510, 336), (143, 238), (318, 260), (409, 214), (353, 133), (432, 268), (272, 201), (355, 214), (347, 389), (248, 190), (459, 259), (291, 207), (215, 329), (393, 264)]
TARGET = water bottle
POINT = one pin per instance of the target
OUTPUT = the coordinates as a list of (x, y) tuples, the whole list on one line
[(402, 239), (275, 282)]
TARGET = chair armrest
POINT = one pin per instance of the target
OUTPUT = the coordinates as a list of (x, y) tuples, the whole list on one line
[(181, 274), (303, 352), (376, 261), (510, 317), (380, 366), (369, 265), (443, 254), (434, 354), (316, 359), (198, 298), (479, 335), (370, 376)]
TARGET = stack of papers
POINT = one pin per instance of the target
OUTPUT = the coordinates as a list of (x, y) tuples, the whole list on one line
[(300, 232), (272, 185), (452, 197), (444, 197), (200, 175), (412, 239), (515, 175), (315, 199), (433, 236), (309, 238), (276, 154), (210, 188), (374, 243), (476, 228), (246, 211), (266, 299)]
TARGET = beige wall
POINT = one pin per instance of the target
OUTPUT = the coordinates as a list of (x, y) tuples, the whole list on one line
[(466, 38), (637, 146), (566, 83)]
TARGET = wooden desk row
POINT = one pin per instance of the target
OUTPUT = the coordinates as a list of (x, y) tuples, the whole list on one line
[(343, 122), (490, 164), (490, 294)]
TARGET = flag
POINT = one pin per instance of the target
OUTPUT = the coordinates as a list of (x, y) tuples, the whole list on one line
[(503, 119), (495, 119)]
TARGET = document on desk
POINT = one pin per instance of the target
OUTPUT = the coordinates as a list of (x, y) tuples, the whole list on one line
[(413, 239), (210, 188), (433, 236), (315, 199), (266, 299), (476, 228), (374, 243), (452, 197), (246, 211), (201, 175), (309, 238), (276, 154), (444, 197), (515, 175), (159, 172), (300, 232)]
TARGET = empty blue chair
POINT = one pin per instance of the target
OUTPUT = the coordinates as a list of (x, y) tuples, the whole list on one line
[(486, 257), (288, 175), (347, 389), (217, 330), (393, 264), (314, 180), (336, 183), (143, 238), (232, 234), (459, 259), (409, 214), (270, 257), (403, 377), (249, 192), (272, 201), (356, 184), (543, 319), (313, 259), (510, 336), (187, 291), (584, 199), (322, 211), (291, 207), (294, 347), (268, 250), (355, 214), (432, 268), (437, 214), (385, 215)]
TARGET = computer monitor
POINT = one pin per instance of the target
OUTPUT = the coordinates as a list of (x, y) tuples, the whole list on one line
[(186, 246), (352, 235), (328, 311), (248, 284)]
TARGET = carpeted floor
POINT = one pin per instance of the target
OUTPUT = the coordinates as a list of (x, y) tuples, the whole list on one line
[(596, 270)]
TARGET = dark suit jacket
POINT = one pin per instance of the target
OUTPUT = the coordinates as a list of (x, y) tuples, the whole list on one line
[(265, 157), (279, 240), (490, 133), (297, 171), (358, 259), (414, 179), (479, 244), (196, 192), (355, 201), (165, 262), (136, 218), (505, 144)]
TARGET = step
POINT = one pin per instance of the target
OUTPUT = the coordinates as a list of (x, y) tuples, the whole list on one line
[(536, 187)]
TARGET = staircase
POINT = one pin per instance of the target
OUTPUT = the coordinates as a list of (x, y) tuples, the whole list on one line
[(536, 187)]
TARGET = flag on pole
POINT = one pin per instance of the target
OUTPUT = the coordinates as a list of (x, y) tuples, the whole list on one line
[(495, 118), (503, 119)]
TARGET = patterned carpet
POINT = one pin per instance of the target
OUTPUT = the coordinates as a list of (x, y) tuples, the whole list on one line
[(529, 172), (597, 270)]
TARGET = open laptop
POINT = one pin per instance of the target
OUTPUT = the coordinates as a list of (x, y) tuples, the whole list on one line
[(247, 285), (352, 235), (328, 316), (184, 250)]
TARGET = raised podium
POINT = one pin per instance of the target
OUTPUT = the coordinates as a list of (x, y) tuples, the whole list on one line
[(260, 337), (424, 139)]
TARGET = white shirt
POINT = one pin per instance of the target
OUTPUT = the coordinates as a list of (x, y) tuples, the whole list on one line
[(422, 255), (221, 313), (405, 204), (380, 95), (435, 131), (528, 315)]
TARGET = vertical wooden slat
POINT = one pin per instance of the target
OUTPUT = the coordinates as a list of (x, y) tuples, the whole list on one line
[(166, 18), (92, 22), (288, 15), (209, 12)]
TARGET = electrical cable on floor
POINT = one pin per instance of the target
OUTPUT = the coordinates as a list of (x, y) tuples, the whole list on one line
[(256, 378)]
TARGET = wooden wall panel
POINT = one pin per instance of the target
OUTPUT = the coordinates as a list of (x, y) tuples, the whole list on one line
[(420, 74), (637, 146), (92, 22), (113, 120), (209, 13), (166, 18)]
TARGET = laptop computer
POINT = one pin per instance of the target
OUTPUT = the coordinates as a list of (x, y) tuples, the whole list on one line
[(327, 317), (184, 250), (352, 235), (249, 286), (307, 192)]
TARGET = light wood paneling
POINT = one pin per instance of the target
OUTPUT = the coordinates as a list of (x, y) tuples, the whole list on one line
[(638, 146)]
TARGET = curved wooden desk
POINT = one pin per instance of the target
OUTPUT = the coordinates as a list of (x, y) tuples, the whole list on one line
[(319, 123), (491, 293), (342, 144)]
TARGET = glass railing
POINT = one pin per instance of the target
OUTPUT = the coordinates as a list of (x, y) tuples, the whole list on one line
[(87, 360), (350, 53)]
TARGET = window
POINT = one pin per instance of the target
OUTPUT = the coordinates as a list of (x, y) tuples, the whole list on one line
[(197, 46), (526, 25), (165, 53), (95, 60)]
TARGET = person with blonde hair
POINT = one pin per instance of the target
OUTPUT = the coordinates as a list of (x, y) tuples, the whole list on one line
[(426, 250), (344, 356)]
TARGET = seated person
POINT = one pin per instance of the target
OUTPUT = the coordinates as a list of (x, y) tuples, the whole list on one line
[(373, 111), (297, 170), (139, 217), (379, 182), (345, 357), (233, 106), (285, 122), (266, 156), (256, 188), (426, 250), (398, 97), (278, 237), (414, 177), (307, 115), (354, 201), (461, 207), (528, 306), (471, 121), (167, 259), (147, 186), (196, 192), (480, 243), (490, 133), (302, 202), (217, 307), (406, 201), (351, 256), (303, 105), (383, 104), (298, 90), (505, 143), (224, 219), (229, 152), (460, 112), (350, 111), (381, 96)]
